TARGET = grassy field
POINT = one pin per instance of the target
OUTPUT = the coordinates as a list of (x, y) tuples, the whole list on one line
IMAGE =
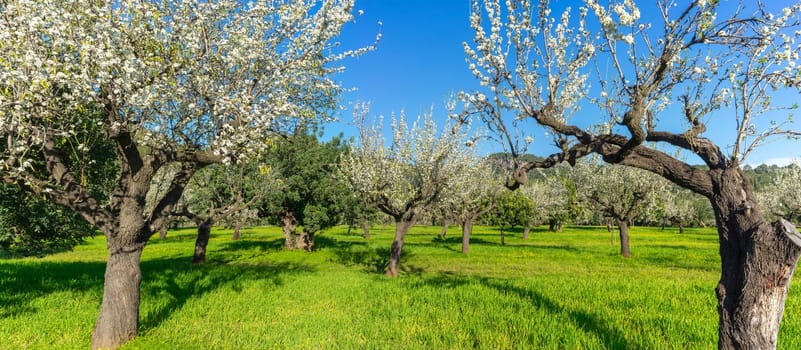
[(568, 290)]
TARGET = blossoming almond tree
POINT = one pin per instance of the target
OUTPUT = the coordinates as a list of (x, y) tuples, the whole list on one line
[(468, 200), (783, 196), (178, 81), (410, 174), (617, 192), (659, 81)]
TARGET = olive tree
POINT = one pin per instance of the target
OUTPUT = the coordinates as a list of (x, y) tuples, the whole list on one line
[(188, 82), (659, 81), (409, 174)]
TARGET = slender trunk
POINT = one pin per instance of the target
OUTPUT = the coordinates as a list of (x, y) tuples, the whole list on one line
[(526, 231), (203, 235), (366, 229), (467, 230), (444, 230), (237, 231), (503, 236), (757, 263), (401, 229), (681, 227), (623, 227), (163, 232)]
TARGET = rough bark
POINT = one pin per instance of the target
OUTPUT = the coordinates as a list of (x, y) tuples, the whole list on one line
[(623, 228), (288, 225), (401, 229), (203, 235), (305, 241), (467, 230), (758, 261), (119, 312)]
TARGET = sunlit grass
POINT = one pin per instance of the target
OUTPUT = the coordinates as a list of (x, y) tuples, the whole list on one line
[(553, 290)]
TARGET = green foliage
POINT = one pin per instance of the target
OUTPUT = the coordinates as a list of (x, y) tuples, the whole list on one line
[(305, 167), (565, 291), (512, 209), (32, 226)]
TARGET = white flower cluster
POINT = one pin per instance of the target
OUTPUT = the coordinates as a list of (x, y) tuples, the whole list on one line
[(208, 74), (419, 166)]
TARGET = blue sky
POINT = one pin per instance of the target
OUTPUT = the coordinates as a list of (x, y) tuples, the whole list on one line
[(420, 62)]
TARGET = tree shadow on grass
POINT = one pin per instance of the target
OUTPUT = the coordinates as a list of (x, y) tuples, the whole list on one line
[(371, 260), (610, 336), (22, 282), (172, 282), (167, 282)]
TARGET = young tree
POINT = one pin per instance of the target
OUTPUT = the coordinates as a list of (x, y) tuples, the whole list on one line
[(620, 193), (513, 208), (676, 206), (409, 175), (681, 66), (190, 82), (554, 198), (469, 200), (219, 192)]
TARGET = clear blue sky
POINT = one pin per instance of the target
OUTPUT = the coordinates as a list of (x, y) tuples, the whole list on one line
[(420, 62)]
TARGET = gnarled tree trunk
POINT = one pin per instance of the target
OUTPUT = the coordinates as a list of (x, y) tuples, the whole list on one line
[(401, 229), (444, 231), (758, 260), (288, 225)]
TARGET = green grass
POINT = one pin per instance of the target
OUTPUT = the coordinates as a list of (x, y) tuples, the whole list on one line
[(553, 291)]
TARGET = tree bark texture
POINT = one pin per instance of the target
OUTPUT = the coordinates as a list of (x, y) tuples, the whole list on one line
[(288, 225), (503, 236), (119, 312), (758, 261), (305, 241), (467, 230), (401, 229), (526, 232), (203, 235), (444, 231), (623, 228)]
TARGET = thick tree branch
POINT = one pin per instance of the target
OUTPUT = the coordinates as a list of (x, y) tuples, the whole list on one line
[(68, 192)]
